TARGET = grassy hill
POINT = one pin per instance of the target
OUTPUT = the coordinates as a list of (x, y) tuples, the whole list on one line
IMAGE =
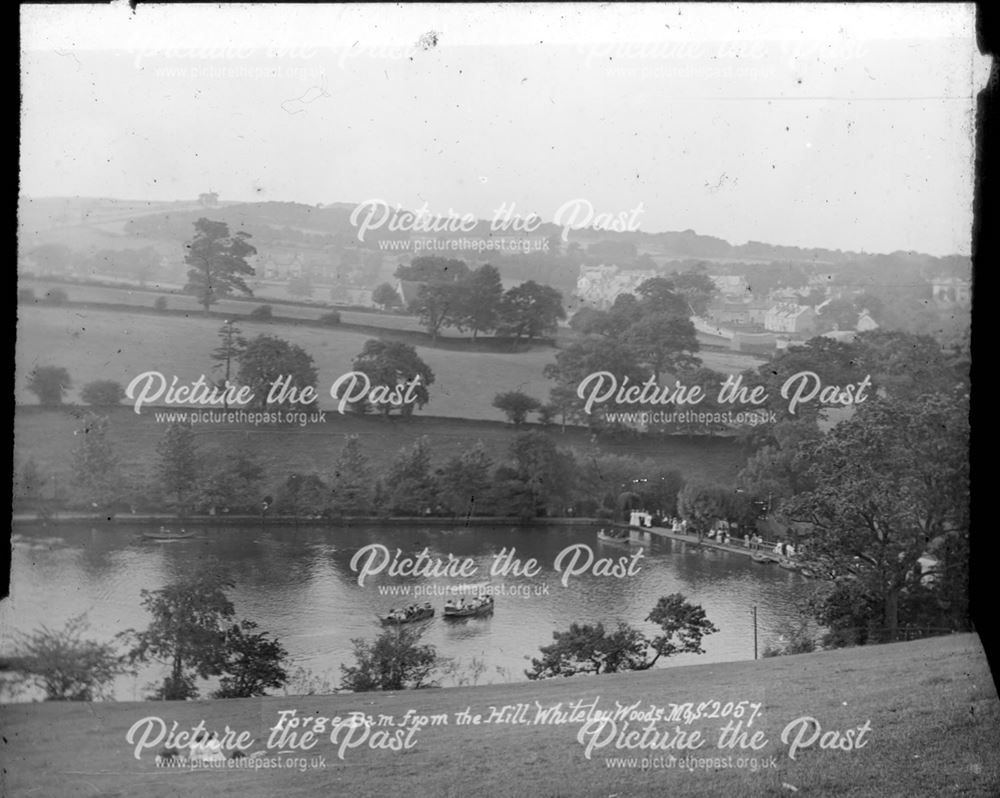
[(931, 707)]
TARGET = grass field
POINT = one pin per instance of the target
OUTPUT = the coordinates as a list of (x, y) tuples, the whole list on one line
[(931, 706), (118, 345), (46, 436)]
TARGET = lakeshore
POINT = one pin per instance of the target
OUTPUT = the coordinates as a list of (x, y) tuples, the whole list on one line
[(932, 708)]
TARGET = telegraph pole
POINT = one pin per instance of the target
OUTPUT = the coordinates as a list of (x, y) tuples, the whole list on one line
[(755, 631)]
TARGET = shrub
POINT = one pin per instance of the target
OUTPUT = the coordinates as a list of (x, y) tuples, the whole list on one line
[(49, 383), (64, 665), (332, 318), (262, 313), (395, 661), (102, 393), (56, 296), (160, 303)]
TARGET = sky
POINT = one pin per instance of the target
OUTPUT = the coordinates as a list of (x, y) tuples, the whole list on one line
[(844, 127)]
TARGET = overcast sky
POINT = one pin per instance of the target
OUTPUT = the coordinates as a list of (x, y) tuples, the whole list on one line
[(845, 127)]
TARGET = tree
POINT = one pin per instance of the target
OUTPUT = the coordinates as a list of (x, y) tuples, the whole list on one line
[(352, 484), (583, 358), (437, 305), (103, 393), (64, 664), (303, 495), (433, 269), (95, 465), (253, 663), (541, 471), (393, 364), (218, 262), (177, 467), (49, 384), (187, 633), (410, 482), (385, 296), (230, 348), (530, 310), (192, 632), (891, 484), (664, 343), (464, 484), (267, 358), (702, 505), (438, 300), (586, 648), (231, 481), (516, 406), (480, 295), (697, 289), (396, 660), (659, 295)]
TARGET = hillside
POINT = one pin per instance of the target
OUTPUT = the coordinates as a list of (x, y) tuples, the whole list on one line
[(929, 710)]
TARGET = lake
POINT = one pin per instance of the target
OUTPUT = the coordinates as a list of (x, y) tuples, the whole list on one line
[(298, 585)]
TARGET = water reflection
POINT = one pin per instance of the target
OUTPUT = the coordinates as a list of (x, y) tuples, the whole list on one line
[(298, 585)]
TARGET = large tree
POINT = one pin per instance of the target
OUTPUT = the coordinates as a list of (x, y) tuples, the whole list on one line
[(480, 295), (95, 464), (530, 310), (411, 484), (352, 483), (178, 463), (217, 261), (891, 484), (227, 353), (393, 364), (465, 486), (49, 384), (266, 358), (194, 632), (664, 342)]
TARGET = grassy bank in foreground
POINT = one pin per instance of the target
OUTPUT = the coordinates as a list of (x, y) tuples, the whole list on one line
[(931, 705)]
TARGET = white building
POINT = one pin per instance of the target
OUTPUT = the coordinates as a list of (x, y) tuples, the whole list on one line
[(599, 286), (790, 318)]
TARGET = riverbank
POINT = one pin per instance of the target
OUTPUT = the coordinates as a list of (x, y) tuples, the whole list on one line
[(930, 708), (173, 521)]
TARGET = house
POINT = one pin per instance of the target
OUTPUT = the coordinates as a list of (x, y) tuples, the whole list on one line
[(731, 285), (599, 286), (951, 291), (787, 317), (408, 291)]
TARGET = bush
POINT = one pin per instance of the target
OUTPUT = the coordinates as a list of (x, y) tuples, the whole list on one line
[(102, 393), (395, 661), (262, 313), (65, 666), (604, 514), (332, 318), (160, 303), (25, 296), (49, 383), (56, 297)]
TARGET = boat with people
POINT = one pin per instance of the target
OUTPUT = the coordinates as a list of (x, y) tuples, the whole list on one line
[(168, 534), (410, 614), (480, 605), (763, 559), (613, 536)]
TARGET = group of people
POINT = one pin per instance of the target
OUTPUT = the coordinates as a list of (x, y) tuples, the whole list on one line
[(408, 612), (477, 602)]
